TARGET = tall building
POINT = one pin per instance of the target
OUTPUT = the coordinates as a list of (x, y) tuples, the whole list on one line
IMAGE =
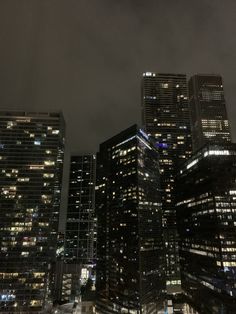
[(165, 118), (80, 233), (209, 121), (130, 264), (79, 238), (31, 158), (206, 211)]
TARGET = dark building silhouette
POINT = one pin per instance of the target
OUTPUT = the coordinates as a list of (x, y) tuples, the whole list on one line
[(31, 158), (206, 211), (130, 266), (165, 117), (209, 121)]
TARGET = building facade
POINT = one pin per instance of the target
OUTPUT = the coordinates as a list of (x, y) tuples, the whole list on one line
[(31, 159), (80, 235), (209, 121), (130, 258), (206, 211), (165, 116)]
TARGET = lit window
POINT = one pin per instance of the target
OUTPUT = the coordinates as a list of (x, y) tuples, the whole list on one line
[(164, 85)]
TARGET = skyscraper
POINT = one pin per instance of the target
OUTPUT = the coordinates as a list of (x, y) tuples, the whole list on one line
[(209, 121), (165, 117), (206, 211), (130, 266), (80, 226), (79, 242), (31, 158)]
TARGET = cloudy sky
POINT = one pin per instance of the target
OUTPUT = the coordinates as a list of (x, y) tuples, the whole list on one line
[(86, 57)]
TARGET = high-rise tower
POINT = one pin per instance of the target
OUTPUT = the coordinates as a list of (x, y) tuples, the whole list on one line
[(209, 121), (80, 234), (130, 266), (206, 202), (31, 158), (79, 237), (166, 119), (206, 211)]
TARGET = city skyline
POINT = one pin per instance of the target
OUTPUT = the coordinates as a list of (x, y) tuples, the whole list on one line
[(86, 58), (119, 170), (117, 157)]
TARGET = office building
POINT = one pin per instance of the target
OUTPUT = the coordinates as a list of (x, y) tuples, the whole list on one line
[(130, 260), (165, 118), (80, 246), (79, 237), (209, 121), (206, 211), (31, 159)]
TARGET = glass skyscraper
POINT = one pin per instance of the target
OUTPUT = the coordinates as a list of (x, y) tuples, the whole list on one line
[(209, 121), (165, 116), (80, 236), (31, 159), (130, 257), (206, 211), (206, 204)]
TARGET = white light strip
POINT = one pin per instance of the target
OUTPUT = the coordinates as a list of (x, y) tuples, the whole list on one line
[(129, 139), (216, 152), (144, 142), (194, 162)]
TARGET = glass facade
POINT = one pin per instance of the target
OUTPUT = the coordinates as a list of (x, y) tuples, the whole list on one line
[(209, 121), (80, 236), (130, 265), (206, 211), (31, 159), (79, 242), (166, 119)]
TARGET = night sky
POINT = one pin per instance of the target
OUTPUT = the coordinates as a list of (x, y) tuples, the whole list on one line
[(86, 57)]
